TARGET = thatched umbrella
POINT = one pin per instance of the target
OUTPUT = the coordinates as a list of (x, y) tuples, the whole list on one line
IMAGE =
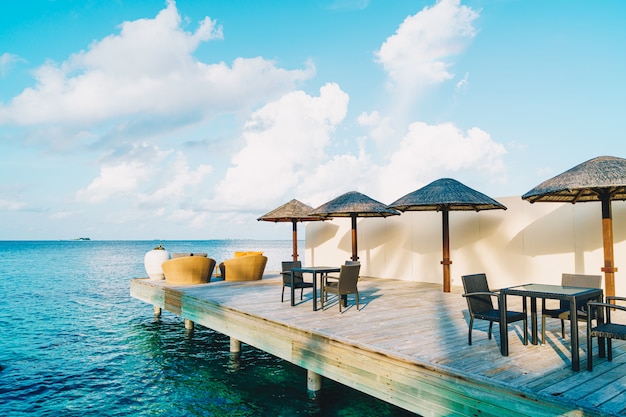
[(353, 204), (293, 211), (445, 195), (599, 179)]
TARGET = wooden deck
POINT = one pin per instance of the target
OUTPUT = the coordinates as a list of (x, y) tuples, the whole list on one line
[(407, 345)]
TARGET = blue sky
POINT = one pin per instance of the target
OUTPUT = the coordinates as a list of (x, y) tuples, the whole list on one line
[(188, 120)]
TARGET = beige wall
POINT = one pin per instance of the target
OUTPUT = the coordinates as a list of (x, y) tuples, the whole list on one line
[(525, 243)]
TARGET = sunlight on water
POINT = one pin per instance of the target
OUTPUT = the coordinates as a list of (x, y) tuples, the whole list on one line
[(74, 343)]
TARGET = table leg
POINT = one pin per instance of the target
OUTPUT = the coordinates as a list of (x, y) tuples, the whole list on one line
[(293, 293), (504, 336), (533, 320), (314, 291), (573, 315)]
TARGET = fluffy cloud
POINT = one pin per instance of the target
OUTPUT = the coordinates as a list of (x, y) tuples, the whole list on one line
[(116, 96), (147, 69), (285, 142), (148, 177), (10, 204), (7, 60), (415, 56), (428, 152)]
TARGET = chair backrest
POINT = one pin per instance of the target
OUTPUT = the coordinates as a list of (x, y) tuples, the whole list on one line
[(287, 267), (477, 283), (187, 270), (244, 268), (580, 280), (348, 278)]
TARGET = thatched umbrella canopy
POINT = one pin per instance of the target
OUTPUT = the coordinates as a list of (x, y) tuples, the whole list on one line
[(599, 179), (445, 195), (293, 211), (353, 204)]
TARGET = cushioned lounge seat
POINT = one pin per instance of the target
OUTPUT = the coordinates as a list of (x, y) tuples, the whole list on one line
[(243, 268), (188, 270)]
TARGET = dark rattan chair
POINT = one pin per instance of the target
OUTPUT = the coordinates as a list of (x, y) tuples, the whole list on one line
[(605, 328), (298, 280), (562, 312), (335, 277), (345, 284), (480, 305)]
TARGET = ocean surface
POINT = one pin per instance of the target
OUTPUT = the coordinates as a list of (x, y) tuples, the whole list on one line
[(74, 343)]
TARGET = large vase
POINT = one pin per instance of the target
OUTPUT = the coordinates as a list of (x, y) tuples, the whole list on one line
[(153, 261)]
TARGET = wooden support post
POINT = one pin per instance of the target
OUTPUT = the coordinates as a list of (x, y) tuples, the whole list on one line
[(355, 250), (188, 324), (607, 239), (157, 311), (313, 383), (235, 345), (446, 249), (235, 355), (294, 238)]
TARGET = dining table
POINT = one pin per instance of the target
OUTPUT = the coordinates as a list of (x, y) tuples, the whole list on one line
[(315, 271), (576, 296)]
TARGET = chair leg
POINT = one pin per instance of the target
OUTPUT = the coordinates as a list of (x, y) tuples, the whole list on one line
[(490, 329), (301, 291), (563, 328), (525, 330), (282, 296), (339, 301), (357, 300), (469, 335), (609, 346), (543, 329), (589, 352)]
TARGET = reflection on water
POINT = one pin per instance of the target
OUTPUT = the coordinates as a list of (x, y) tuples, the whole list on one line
[(74, 343)]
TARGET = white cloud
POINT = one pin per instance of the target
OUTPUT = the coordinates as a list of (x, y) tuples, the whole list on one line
[(380, 127), (428, 152), (339, 175), (417, 55), (11, 205), (120, 180), (179, 184), (461, 85), (284, 142), (149, 177), (7, 61), (147, 69)]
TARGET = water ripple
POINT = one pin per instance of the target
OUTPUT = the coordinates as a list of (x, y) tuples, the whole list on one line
[(74, 343)]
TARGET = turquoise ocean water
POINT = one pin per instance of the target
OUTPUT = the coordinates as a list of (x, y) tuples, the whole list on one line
[(74, 343)]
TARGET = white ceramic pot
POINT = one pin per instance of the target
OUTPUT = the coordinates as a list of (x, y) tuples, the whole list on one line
[(153, 260)]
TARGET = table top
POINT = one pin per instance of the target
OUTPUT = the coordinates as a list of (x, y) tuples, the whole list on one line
[(317, 269), (549, 291)]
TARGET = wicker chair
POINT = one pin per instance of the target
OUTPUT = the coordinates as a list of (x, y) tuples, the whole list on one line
[(604, 328), (345, 284), (188, 270), (335, 277), (243, 268), (480, 305), (562, 312), (298, 281)]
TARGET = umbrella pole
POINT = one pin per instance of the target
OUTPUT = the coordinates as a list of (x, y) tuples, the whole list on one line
[(355, 257), (294, 235), (446, 249), (607, 237)]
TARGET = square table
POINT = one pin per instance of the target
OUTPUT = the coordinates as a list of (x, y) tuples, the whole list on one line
[(576, 296), (321, 270)]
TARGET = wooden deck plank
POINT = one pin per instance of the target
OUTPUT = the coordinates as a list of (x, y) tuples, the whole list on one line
[(406, 345)]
